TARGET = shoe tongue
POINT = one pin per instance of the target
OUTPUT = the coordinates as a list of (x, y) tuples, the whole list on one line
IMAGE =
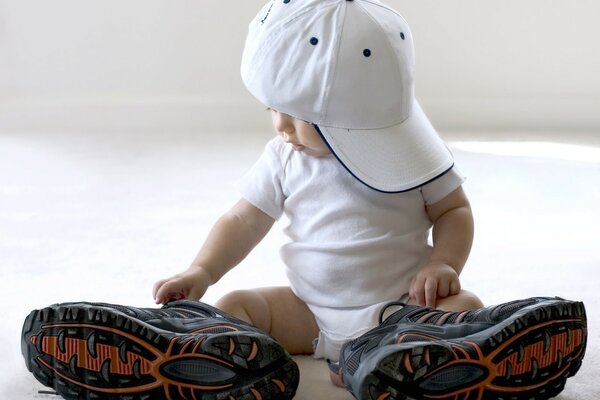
[(394, 312)]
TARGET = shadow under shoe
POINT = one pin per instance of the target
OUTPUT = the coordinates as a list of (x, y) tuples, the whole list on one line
[(184, 350), (518, 350)]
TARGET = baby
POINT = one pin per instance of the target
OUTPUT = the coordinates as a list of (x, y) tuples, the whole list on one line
[(362, 177), (357, 169)]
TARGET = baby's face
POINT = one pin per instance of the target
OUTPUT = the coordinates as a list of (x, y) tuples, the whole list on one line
[(301, 135)]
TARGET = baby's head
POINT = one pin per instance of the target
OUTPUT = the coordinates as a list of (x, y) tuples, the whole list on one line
[(347, 67), (301, 135)]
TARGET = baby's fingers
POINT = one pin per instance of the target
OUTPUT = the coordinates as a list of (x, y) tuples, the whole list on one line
[(431, 289), (417, 291), (170, 289), (455, 287), (156, 289), (443, 289)]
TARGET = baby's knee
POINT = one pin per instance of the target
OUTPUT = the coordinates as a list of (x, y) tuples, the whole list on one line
[(232, 301), (236, 302), (246, 305), (469, 300), (464, 300)]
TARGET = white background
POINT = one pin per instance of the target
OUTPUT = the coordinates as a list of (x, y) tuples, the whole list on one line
[(121, 64), (124, 126)]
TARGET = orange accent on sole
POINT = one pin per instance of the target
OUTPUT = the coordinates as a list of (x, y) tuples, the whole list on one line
[(426, 356), (107, 353), (533, 358), (231, 346), (407, 364), (256, 394), (279, 384), (253, 352)]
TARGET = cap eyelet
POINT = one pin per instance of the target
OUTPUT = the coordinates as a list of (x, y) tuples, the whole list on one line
[(286, 1), (314, 41), (367, 53), (402, 35)]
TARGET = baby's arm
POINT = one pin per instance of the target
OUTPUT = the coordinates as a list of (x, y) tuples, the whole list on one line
[(231, 239), (452, 239)]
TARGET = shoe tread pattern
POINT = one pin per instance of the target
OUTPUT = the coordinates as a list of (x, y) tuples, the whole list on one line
[(89, 351), (531, 355)]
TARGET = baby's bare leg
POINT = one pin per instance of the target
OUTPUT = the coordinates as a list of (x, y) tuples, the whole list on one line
[(277, 311), (464, 300)]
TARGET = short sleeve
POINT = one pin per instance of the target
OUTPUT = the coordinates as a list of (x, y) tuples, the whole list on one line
[(262, 184), (441, 187)]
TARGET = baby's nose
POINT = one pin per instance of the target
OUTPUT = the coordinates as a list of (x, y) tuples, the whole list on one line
[(284, 123), (286, 135)]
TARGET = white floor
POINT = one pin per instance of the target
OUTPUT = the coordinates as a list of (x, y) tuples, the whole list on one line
[(94, 217)]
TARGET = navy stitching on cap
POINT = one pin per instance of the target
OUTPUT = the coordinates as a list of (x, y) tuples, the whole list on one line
[(314, 41), (262, 21), (367, 53)]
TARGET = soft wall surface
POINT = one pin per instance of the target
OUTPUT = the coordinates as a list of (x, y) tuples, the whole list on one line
[(113, 64)]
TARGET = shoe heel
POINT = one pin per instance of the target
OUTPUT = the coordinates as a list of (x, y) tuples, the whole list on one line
[(396, 372), (261, 358)]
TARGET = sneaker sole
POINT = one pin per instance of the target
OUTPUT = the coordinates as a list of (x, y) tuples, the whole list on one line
[(528, 356), (90, 352)]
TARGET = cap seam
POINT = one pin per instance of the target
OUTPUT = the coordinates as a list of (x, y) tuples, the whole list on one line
[(332, 68), (275, 31), (396, 59)]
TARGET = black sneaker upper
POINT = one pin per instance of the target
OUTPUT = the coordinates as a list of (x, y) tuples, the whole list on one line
[(183, 316), (468, 319), (416, 323)]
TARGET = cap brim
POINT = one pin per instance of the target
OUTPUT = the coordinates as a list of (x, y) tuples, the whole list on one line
[(393, 159)]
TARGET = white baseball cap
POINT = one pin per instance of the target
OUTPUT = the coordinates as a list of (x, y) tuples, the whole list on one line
[(347, 67)]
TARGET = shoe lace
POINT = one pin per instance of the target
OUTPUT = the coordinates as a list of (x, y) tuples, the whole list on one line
[(425, 315), (387, 306)]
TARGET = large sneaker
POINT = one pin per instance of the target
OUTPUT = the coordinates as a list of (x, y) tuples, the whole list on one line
[(185, 350), (524, 349)]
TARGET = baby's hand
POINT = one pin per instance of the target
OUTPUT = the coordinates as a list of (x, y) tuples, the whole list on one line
[(190, 284), (434, 281)]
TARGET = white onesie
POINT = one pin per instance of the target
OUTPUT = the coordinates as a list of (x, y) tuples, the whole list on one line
[(352, 249)]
